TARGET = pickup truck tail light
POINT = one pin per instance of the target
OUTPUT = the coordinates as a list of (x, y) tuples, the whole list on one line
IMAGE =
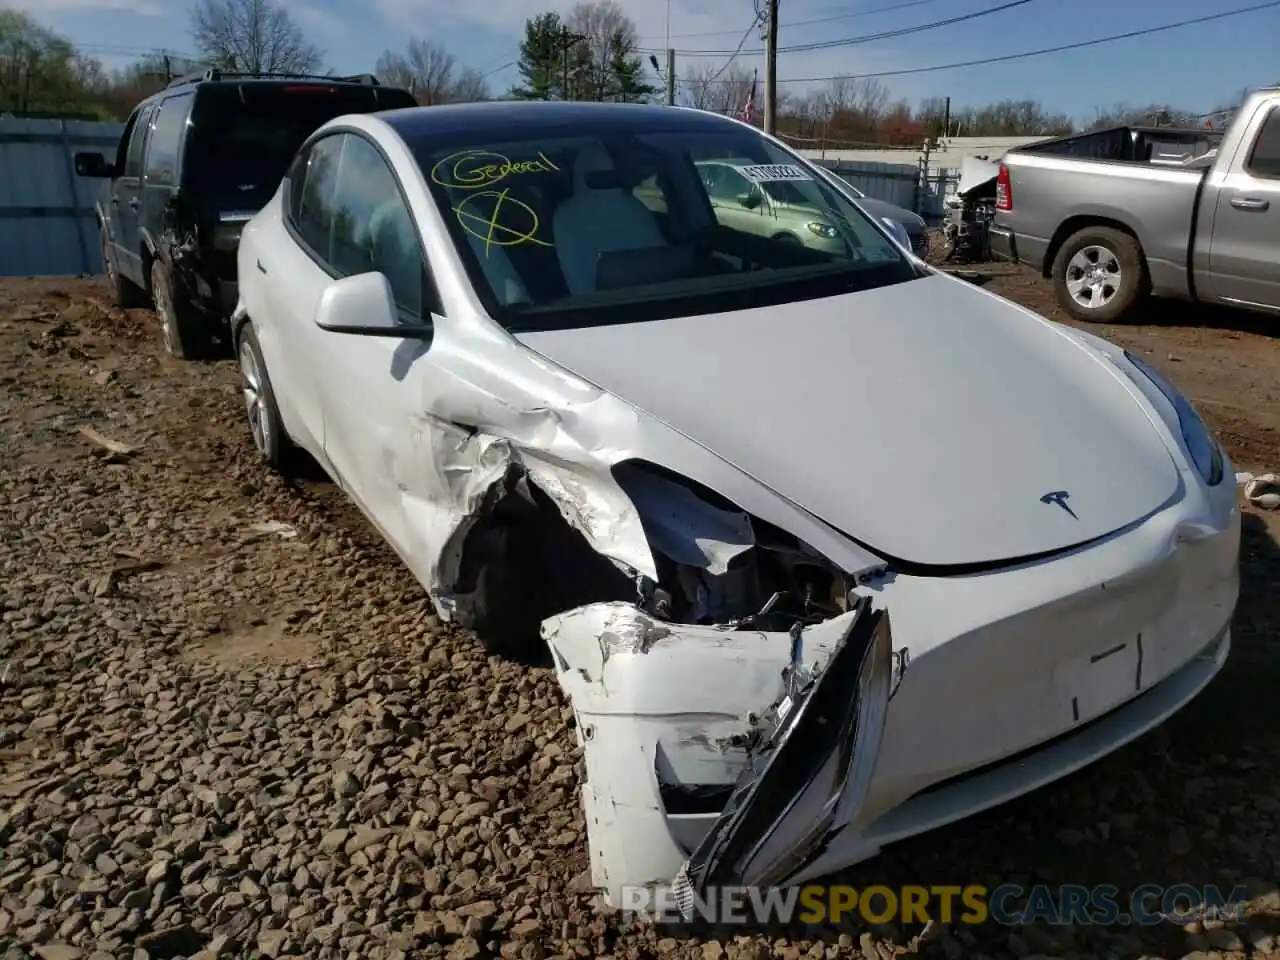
[(1004, 189)]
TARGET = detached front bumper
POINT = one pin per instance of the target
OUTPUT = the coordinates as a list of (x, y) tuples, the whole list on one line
[(1000, 683)]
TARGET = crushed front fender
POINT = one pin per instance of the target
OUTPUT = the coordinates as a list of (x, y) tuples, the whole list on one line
[(714, 755)]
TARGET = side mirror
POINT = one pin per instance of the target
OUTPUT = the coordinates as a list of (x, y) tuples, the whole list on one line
[(93, 165), (364, 305), (898, 232), (749, 200)]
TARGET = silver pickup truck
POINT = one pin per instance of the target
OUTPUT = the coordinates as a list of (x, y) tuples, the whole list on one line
[(1118, 214)]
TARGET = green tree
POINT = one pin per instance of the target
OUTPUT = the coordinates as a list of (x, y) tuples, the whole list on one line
[(542, 53), (40, 71), (627, 69)]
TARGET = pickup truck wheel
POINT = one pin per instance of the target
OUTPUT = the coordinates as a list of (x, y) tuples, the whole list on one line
[(124, 291), (1099, 274), (186, 332)]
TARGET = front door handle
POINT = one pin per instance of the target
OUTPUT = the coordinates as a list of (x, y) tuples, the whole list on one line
[(1256, 204), (115, 201), (133, 202)]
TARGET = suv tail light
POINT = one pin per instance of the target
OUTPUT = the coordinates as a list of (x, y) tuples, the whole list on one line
[(1004, 189)]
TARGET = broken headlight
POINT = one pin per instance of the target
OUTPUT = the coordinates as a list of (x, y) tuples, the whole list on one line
[(1202, 448), (717, 564)]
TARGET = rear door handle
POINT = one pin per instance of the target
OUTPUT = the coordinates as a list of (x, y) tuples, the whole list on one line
[(133, 202), (261, 268), (1250, 203)]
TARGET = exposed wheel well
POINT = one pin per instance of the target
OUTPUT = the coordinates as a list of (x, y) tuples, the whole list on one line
[(1072, 225), (522, 562)]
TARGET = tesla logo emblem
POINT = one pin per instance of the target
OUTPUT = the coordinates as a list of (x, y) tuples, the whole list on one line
[(1060, 498)]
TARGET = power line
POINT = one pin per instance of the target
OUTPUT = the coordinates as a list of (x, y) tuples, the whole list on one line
[(872, 37), (1038, 53), (804, 23), (755, 22)]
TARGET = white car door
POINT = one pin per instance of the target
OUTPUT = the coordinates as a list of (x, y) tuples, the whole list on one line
[(287, 264), (377, 436)]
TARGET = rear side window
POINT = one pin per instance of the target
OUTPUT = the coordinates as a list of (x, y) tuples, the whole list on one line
[(1264, 161), (166, 139), (314, 206), (138, 140), (244, 136)]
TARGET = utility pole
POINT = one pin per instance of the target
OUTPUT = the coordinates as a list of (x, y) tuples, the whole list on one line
[(671, 77), (946, 119), (567, 40), (771, 66)]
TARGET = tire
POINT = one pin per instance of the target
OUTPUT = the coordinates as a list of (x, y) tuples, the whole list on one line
[(1114, 271), (788, 238), (126, 294), (511, 592), (261, 410), (186, 332)]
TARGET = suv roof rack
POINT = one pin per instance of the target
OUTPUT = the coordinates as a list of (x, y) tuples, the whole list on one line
[(214, 74)]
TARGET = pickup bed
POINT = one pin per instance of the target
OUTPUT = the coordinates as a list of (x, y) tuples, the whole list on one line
[(1114, 215)]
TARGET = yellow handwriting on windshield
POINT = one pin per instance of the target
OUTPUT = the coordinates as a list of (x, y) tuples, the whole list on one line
[(472, 169), (509, 223)]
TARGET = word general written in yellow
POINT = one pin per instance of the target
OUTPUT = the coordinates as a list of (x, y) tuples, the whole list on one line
[(473, 169)]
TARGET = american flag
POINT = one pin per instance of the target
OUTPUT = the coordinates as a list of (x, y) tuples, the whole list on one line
[(749, 108)]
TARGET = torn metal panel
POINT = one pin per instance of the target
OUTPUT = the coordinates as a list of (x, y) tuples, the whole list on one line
[(662, 706), (683, 526)]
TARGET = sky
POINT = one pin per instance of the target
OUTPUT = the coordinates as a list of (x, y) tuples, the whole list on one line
[(1197, 67)]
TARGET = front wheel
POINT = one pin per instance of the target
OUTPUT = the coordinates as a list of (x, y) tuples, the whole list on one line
[(260, 407), (1100, 275)]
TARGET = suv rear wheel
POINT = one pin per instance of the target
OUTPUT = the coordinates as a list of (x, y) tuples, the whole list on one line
[(186, 333), (124, 291)]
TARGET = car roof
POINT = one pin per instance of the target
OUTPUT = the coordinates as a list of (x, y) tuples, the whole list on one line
[(214, 78), (504, 119)]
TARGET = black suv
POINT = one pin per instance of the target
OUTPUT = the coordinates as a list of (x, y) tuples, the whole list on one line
[(195, 162)]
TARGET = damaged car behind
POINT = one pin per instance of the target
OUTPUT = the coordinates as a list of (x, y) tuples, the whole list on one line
[(829, 548)]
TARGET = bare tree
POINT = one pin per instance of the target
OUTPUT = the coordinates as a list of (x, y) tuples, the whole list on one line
[(605, 61), (710, 87), (431, 73), (252, 36), (1150, 115)]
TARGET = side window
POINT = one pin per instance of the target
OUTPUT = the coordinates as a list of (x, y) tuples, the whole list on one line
[(137, 140), (374, 230), (166, 139), (314, 207), (1264, 160)]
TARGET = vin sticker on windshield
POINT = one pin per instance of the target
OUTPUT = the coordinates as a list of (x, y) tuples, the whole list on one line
[(773, 172)]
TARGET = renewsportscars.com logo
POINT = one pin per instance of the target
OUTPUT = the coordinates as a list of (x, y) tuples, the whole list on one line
[(1008, 904)]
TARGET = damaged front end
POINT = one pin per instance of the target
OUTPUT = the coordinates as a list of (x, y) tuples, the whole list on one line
[(731, 714)]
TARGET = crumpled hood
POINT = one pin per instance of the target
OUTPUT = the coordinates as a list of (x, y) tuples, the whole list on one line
[(927, 420)]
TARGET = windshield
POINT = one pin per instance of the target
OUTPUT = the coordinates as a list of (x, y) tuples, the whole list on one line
[(580, 227)]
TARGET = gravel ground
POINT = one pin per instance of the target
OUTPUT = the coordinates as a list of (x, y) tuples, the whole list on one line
[(231, 726)]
